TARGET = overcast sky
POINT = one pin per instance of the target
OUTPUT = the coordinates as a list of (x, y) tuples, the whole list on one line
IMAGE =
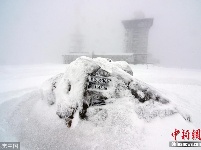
[(39, 31)]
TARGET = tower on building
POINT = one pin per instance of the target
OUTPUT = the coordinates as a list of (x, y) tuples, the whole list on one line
[(136, 38)]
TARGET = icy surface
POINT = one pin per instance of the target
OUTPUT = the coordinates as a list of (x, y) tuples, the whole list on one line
[(117, 125), (67, 90)]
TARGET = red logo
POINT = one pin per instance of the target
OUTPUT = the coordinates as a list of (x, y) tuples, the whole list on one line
[(186, 134)]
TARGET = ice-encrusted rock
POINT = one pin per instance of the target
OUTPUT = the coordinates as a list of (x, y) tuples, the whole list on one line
[(95, 82), (48, 89)]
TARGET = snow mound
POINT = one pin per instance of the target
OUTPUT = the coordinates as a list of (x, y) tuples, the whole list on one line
[(93, 89)]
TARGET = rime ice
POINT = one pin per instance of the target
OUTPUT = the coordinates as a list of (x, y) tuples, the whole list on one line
[(96, 82)]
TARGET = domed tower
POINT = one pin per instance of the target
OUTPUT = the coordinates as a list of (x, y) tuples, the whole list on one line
[(136, 38)]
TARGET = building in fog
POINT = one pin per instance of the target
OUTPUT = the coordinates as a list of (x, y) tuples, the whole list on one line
[(136, 38), (136, 44)]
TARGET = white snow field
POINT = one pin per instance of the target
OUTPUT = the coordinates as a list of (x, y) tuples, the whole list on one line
[(26, 118)]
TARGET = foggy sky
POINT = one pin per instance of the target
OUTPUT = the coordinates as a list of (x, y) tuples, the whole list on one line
[(39, 31)]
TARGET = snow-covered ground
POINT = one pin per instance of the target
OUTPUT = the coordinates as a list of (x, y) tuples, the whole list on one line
[(16, 80), (29, 120), (182, 86)]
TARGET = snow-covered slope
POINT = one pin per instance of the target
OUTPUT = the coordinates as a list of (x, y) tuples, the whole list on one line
[(31, 121), (182, 86), (16, 80)]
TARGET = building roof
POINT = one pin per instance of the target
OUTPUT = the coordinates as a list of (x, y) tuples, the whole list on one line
[(78, 53), (105, 54), (112, 54), (138, 23)]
